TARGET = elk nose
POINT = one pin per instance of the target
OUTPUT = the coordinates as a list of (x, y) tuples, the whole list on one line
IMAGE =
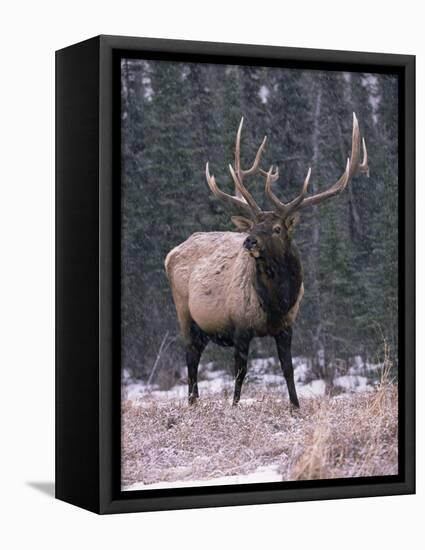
[(250, 242)]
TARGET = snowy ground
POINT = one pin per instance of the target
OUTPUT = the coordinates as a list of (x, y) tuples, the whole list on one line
[(263, 374), (263, 474), (166, 443)]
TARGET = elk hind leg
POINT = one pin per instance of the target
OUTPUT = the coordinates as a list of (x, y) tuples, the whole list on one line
[(194, 348)]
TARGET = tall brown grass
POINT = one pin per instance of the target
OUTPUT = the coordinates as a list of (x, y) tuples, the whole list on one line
[(348, 435)]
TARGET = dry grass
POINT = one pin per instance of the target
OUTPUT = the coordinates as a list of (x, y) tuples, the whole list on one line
[(344, 436)]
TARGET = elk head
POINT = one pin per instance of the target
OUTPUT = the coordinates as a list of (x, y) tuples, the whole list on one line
[(270, 231)]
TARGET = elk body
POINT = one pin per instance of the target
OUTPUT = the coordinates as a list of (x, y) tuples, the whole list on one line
[(231, 287)]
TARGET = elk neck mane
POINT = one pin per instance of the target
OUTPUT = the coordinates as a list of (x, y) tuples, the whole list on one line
[(277, 282)]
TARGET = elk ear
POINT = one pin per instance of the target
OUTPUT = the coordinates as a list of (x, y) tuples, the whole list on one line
[(291, 222), (243, 224)]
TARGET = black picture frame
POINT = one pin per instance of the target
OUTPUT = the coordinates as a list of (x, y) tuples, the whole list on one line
[(87, 275)]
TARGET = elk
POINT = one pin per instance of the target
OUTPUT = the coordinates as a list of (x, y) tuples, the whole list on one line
[(230, 287)]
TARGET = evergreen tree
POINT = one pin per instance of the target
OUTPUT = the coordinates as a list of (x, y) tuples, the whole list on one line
[(177, 116)]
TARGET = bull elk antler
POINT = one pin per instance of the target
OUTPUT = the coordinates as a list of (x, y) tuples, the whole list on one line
[(246, 204), (353, 167)]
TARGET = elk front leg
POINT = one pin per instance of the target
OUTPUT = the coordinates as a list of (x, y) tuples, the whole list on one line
[(241, 359), (283, 344)]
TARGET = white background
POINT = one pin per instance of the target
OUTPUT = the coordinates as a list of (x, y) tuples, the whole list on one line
[(29, 34)]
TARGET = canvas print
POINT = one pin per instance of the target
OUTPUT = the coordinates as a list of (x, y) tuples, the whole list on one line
[(259, 274)]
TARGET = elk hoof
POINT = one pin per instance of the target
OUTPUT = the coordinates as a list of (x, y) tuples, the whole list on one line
[(294, 408), (193, 400)]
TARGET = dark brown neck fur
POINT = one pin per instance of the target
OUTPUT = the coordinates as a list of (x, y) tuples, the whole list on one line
[(277, 283)]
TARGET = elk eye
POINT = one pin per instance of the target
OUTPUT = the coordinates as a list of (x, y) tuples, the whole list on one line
[(277, 229)]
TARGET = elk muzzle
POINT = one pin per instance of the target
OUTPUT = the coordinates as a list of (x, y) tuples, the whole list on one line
[(252, 245)]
